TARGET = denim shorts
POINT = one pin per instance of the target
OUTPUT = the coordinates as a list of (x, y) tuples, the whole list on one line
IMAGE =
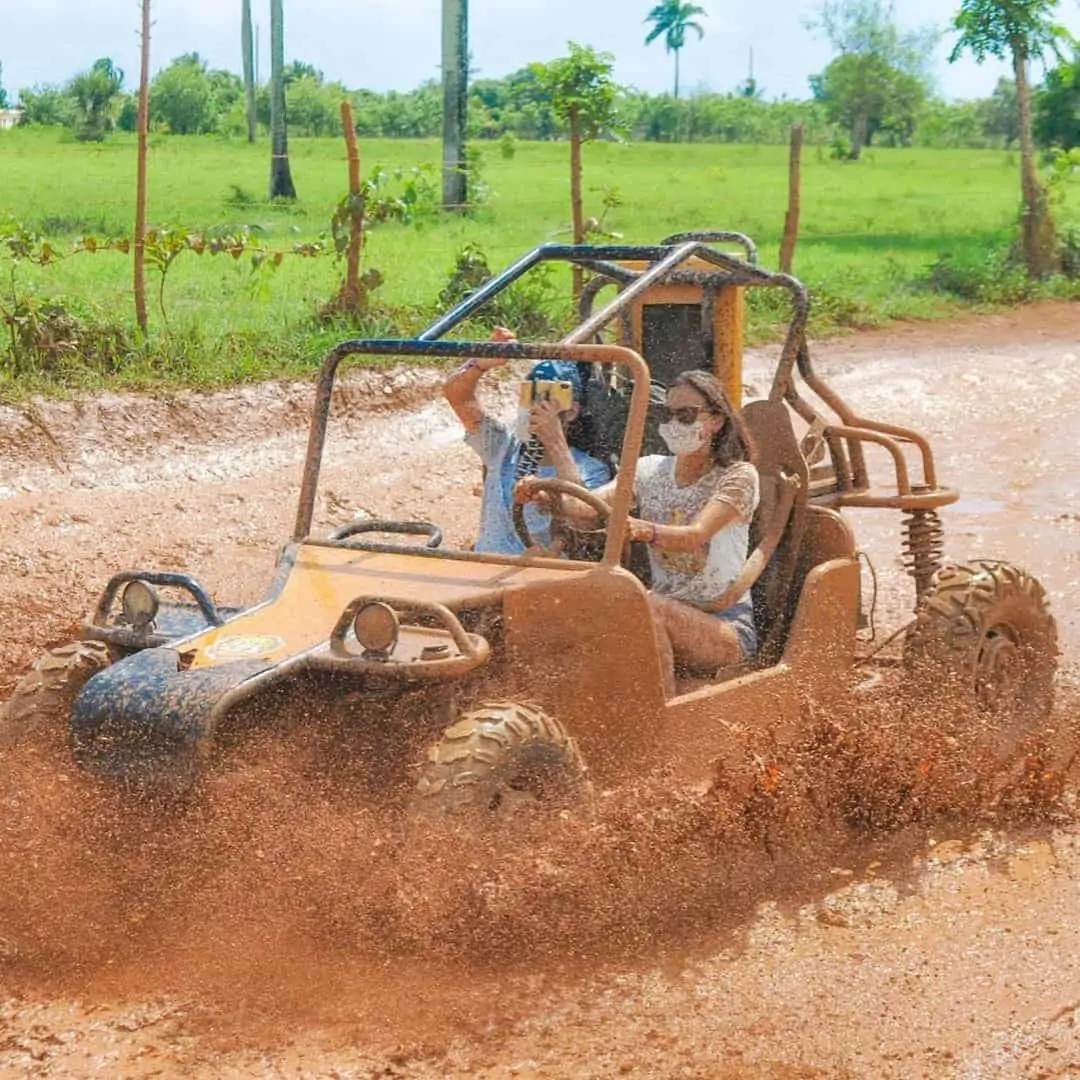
[(741, 619)]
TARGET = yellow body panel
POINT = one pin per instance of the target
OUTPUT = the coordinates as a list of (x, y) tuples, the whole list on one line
[(326, 579)]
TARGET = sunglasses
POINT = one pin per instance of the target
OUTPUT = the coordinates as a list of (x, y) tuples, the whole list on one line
[(688, 414)]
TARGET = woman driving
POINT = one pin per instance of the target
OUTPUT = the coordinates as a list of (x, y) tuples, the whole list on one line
[(695, 510)]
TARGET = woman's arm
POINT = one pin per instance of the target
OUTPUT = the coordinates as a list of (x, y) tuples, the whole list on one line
[(584, 517), (714, 517), (734, 501)]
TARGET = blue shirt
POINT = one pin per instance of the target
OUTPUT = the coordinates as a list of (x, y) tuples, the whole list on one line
[(498, 449)]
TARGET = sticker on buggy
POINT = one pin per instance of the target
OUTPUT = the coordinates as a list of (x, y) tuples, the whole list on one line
[(244, 647)]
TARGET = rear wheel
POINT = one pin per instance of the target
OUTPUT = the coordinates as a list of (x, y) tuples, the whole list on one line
[(503, 756), (42, 699), (981, 656)]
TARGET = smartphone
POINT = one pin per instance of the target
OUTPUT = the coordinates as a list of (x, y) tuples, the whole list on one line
[(559, 391)]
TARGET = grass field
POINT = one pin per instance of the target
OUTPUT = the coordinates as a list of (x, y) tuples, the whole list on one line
[(870, 232)]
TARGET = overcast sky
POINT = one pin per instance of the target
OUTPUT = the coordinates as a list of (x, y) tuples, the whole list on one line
[(394, 44)]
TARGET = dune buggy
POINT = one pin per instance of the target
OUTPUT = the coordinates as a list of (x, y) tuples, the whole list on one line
[(480, 680)]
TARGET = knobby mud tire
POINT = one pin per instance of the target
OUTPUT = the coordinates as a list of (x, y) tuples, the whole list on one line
[(981, 659), (500, 757), (984, 632), (39, 707)]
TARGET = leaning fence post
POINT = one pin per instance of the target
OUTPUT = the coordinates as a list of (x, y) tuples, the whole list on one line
[(791, 222)]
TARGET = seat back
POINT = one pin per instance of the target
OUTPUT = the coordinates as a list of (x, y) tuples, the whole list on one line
[(778, 455)]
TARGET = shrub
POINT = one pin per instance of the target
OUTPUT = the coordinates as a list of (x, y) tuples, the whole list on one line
[(529, 307), (986, 277)]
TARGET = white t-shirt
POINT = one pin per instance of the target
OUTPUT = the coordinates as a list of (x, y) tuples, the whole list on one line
[(702, 576)]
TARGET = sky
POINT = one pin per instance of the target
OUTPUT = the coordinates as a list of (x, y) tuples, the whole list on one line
[(395, 44)]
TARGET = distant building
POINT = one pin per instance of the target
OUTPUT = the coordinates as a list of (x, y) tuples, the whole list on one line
[(9, 118)]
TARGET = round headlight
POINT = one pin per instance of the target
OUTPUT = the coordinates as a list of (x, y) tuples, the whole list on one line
[(140, 604), (376, 627)]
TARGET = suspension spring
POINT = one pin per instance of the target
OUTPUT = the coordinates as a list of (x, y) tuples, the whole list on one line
[(923, 547)]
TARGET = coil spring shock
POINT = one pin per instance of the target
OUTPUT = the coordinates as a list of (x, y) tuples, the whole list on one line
[(923, 547)]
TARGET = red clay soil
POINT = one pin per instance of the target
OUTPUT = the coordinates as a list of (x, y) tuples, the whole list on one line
[(282, 928)]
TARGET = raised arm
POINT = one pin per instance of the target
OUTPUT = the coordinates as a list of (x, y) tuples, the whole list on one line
[(460, 389)]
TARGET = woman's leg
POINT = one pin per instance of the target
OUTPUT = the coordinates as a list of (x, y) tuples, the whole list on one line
[(697, 639)]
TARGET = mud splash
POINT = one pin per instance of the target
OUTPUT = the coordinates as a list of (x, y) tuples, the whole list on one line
[(279, 894)]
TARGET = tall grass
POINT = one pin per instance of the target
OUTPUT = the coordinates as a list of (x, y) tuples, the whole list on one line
[(871, 231)]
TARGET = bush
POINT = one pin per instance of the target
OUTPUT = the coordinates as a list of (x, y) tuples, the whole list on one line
[(529, 307), (1069, 254), (987, 277), (51, 336), (182, 100)]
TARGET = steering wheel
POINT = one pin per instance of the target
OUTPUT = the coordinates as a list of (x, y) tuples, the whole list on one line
[(566, 539), (403, 528)]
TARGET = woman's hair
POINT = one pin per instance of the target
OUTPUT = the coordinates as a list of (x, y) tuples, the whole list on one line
[(732, 442)]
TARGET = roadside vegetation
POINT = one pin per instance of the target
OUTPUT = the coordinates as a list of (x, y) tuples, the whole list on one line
[(905, 233), (910, 204)]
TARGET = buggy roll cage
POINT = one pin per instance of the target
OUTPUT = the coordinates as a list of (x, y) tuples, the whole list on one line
[(677, 260)]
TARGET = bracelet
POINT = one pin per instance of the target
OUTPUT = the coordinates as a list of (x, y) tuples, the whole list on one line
[(653, 534), (469, 364)]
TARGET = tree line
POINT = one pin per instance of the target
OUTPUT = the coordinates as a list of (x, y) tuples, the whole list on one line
[(188, 97)]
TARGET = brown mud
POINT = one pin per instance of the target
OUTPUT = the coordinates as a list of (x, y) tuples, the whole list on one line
[(281, 927)]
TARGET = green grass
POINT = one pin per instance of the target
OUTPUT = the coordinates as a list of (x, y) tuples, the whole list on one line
[(870, 231)]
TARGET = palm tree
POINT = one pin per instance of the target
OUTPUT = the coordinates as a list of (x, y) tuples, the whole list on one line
[(94, 91), (673, 18), (247, 55), (281, 184)]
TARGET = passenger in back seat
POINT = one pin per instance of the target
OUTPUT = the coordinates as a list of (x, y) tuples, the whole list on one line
[(541, 444), (695, 509)]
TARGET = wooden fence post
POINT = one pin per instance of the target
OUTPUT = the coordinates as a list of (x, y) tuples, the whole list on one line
[(351, 296), (791, 223)]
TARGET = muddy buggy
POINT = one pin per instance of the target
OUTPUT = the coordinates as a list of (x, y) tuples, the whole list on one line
[(477, 681)]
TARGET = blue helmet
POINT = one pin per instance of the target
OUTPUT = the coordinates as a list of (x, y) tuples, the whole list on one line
[(559, 371)]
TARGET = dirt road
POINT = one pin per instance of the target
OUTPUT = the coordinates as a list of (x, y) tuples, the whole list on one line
[(281, 930)]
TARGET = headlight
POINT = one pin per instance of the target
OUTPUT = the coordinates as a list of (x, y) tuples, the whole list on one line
[(376, 627), (140, 604)]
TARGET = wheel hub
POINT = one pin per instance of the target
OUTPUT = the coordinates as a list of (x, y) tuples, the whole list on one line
[(998, 671)]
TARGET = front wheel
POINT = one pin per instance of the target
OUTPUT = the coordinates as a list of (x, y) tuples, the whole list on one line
[(984, 650), (500, 757), (43, 697)]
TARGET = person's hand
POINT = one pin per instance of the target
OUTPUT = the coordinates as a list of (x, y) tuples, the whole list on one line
[(546, 425), (639, 531), (489, 363), (525, 492)]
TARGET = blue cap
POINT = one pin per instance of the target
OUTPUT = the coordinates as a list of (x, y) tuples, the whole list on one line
[(559, 371)]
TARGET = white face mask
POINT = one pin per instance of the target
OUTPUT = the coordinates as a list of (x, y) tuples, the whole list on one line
[(521, 424), (684, 438)]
